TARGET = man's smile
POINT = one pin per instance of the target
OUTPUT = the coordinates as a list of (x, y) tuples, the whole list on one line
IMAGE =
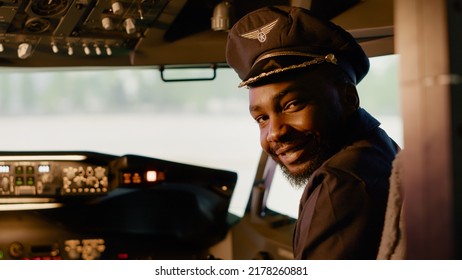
[(296, 152)]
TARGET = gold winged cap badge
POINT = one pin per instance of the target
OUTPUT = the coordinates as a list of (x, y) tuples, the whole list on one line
[(260, 33)]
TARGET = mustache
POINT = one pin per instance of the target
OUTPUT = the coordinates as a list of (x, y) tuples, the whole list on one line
[(295, 140)]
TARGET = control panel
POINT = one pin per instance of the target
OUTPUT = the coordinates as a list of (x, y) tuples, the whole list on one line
[(53, 174), (51, 178), (72, 249), (94, 28), (86, 205)]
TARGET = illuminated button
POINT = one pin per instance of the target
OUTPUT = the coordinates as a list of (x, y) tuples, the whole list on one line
[(151, 176), (30, 181), (4, 169), (19, 170), (19, 181), (122, 256), (44, 168), (29, 169), (127, 178), (136, 178)]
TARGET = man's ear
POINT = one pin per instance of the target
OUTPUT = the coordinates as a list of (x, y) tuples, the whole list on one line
[(350, 98)]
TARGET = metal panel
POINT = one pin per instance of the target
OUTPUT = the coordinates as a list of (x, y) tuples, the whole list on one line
[(428, 101)]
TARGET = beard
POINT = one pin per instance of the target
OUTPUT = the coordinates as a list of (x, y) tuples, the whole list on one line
[(326, 146), (300, 179)]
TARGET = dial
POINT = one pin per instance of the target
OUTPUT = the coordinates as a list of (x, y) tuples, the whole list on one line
[(47, 8)]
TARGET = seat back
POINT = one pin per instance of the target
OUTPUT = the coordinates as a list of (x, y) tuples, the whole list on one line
[(393, 242)]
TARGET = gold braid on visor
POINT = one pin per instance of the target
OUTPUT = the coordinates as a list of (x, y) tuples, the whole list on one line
[(317, 60)]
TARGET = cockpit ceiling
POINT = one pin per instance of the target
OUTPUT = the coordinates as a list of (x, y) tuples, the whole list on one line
[(100, 33)]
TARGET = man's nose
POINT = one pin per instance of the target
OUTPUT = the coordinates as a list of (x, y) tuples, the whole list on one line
[(276, 129)]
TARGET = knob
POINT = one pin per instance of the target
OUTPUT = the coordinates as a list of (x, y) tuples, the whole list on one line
[(69, 172), (16, 250)]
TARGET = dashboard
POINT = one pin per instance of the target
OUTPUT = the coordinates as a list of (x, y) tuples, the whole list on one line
[(86, 205)]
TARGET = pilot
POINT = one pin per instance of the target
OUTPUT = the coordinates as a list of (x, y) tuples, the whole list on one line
[(301, 74)]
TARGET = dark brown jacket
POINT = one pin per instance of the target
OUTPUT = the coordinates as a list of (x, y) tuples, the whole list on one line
[(343, 206)]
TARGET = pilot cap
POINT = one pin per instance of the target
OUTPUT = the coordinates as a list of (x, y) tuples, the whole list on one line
[(277, 39)]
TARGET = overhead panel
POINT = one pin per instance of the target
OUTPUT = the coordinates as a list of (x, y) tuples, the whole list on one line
[(42, 30)]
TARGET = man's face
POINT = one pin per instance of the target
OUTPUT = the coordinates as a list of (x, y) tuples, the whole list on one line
[(300, 121)]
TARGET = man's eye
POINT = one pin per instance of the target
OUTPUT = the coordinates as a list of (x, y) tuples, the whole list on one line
[(293, 105), (260, 119)]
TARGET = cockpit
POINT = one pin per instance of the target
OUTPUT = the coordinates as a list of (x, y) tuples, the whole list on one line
[(125, 136)]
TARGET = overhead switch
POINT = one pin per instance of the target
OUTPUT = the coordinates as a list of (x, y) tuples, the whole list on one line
[(107, 23), (130, 27), (24, 50), (117, 8)]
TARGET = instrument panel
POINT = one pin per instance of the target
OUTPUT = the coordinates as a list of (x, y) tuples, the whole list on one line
[(86, 205), (50, 177), (74, 28)]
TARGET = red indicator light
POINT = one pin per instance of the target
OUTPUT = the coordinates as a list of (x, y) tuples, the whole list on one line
[(122, 256)]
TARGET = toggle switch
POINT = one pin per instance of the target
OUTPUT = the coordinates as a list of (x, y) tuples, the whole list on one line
[(129, 25), (86, 49), (54, 47), (117, 8), (24, 50)]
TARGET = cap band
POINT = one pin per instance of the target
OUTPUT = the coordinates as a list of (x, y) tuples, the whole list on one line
[(317, 60)]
